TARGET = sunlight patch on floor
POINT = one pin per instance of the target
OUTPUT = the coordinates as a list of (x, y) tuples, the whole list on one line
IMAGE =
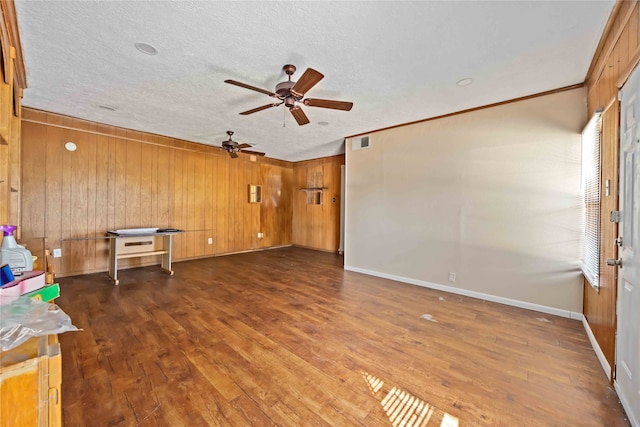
[(405, 409)]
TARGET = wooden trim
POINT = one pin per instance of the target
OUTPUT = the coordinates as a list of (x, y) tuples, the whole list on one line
[(326, 159), (142, 141), (315, 249), (469, 110), (5, 43), (142, 264), (18, 94), (246, 251), (610, 104), (9, 25), (596, 348), (603, 38), (616, 38), (624, 74), (268, 248), (205, 149)]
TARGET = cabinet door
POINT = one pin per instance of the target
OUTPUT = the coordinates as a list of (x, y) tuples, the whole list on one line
[(55, 381), (19, 396)]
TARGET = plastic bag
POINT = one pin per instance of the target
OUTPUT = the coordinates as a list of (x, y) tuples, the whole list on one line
[(26, 318)]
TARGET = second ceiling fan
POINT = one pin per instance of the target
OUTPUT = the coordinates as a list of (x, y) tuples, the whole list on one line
[(289, 93), (233, 148)]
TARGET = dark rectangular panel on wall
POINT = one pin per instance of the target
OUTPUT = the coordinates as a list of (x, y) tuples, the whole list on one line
[(119, 178)]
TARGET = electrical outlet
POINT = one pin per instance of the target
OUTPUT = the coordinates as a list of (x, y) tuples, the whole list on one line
[(57, 253), (210, 240), (260, 235), (452, 277)]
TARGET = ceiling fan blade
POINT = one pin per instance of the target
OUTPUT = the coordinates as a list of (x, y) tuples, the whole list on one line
[(299, 115), (255, 153), (233, 154), (264, 107), (308, 80), (246, 86), (240, 146), (328, 103)]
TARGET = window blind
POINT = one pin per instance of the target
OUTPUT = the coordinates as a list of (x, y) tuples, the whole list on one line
[(591, 199)]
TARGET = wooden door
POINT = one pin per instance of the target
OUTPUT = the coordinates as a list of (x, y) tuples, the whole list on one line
[(627, 381)]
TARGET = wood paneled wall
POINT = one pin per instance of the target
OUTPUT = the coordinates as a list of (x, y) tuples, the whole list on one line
[(118, 178), (616, 57), (317, 226), (12, 82)]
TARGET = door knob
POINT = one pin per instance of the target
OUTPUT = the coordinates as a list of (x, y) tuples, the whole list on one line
[(614, 262)]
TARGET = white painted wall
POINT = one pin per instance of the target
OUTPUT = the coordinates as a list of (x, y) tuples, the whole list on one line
[(492, 195)]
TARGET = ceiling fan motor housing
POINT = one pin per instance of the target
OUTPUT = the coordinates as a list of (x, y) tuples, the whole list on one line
[(284, 89)]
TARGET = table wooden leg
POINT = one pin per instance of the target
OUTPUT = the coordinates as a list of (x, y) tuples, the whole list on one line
[(113, 261)]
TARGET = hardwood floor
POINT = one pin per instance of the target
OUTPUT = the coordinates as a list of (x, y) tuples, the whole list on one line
[(287, 337)]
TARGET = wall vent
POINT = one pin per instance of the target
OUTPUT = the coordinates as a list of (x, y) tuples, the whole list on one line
[(361, 143)]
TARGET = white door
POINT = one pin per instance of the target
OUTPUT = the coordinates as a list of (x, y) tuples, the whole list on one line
[(627, 381), (342, 207)]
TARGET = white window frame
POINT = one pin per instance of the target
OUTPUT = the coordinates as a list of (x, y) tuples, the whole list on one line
[(591, 189)]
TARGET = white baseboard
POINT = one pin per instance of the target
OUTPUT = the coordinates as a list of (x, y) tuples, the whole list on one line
[(596, 348), (507, 301), (627, 407)]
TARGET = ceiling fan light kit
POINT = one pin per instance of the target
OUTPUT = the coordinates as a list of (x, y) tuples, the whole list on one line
[(289, 93)]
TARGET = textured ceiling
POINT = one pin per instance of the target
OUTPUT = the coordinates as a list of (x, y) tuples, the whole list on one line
[(396, 61)]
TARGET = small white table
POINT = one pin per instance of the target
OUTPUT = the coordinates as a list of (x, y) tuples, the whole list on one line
[(134, 243)]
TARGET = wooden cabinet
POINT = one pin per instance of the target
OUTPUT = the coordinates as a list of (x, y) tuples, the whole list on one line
[(30, 380)]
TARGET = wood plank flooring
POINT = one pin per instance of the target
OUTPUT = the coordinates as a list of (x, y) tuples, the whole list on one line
[(287, 337)]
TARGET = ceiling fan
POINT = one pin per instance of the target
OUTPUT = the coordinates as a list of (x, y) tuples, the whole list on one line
[(288, 93), (233, 148)]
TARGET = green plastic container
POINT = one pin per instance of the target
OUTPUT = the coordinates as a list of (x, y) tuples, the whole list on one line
[(48, 293)]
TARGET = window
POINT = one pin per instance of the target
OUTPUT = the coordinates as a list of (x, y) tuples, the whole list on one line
[(591, 200)]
